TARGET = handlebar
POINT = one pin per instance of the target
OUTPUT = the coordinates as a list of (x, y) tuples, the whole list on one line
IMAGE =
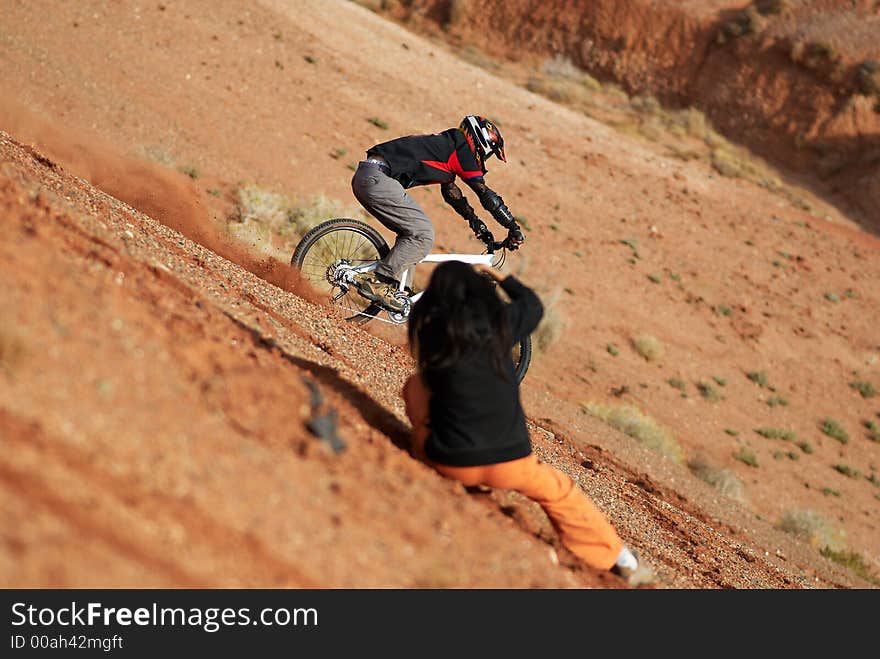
[(493, 245)]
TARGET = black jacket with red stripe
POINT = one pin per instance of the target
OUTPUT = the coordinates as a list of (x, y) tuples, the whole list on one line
[(439, 158), (426, 159)]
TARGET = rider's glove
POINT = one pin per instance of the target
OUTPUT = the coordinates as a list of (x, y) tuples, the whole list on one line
[(515, 236), (478, 227)]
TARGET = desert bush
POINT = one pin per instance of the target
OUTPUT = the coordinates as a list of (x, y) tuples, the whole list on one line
[(759, 378), (776, 433), (636, 424), (866, 389), (852, 561), (834, 430), (551, 325), (677, 383), (775, 401), (746, 456), (811, 526), (190, 171), (846, 470), (723, 480), (560, 80), (562, 67), (873, 430), (648, 346), (561, 90), (273, 223), (709, 392)]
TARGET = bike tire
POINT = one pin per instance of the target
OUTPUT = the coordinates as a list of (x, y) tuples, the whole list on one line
[(522, 357), (340, 238)]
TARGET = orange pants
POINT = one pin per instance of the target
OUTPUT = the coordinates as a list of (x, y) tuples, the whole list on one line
[(582, 527)]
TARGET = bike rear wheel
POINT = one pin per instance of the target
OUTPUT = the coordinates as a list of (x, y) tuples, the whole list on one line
[(522, 357), (334, 242)]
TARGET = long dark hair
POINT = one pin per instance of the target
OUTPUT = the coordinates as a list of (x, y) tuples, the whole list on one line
[(459, 311)]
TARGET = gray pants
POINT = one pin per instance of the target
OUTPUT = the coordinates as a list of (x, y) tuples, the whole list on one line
[(388, 202)]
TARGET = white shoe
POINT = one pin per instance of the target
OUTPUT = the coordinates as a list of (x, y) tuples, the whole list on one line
[(629, 568)]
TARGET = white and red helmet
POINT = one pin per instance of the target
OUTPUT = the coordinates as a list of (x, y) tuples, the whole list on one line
[(483, 136)]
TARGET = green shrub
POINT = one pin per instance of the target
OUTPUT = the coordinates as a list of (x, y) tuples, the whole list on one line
[(805, 446), (776, 433), (709, 392), (852, 561), (866, 389), (612, 350), (834, 430), (190, 171), (732, 432), (677, 383), (846, 470), (758, 377), (378, 123), (747, 456), (775, 401), (873, 430)]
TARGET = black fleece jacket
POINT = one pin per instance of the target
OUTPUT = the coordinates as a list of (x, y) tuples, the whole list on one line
[(476, 416)]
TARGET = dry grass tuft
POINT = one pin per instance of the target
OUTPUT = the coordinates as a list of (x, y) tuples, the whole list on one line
[(633, 422), (551, 325), (273, 223), (649, 347), (811, 526), (723, 480), (562, 81)]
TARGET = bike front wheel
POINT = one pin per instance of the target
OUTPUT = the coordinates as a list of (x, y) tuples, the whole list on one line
[(340, 242), (522, 357)]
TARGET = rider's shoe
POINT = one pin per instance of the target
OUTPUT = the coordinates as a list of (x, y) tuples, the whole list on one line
[(379, 289), (632, 570)]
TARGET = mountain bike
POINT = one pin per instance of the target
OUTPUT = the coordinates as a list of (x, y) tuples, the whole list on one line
[(331, 254)]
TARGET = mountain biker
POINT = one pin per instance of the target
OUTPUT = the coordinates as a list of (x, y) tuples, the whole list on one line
[(467, 419), (392, 167)]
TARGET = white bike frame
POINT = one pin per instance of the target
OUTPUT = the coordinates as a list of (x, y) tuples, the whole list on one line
[(473, 259)]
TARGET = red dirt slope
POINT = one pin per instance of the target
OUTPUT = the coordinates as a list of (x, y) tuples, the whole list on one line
[(152, 375)]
